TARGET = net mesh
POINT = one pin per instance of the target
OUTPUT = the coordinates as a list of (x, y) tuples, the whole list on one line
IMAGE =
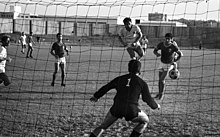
[(31, 107)]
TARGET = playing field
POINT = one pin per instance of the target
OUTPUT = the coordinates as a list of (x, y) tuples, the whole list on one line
[(30, 107)]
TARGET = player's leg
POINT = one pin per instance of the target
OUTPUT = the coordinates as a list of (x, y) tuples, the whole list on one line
[(142, 121), (140, 52), (161, 83), (108, 121), (4, 78), (31, 51), (63, 67), (131, 52), (22, 48), (28, 51), (56, 66)]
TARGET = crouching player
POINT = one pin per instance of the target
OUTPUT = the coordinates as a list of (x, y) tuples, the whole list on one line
[(3, 58), (170, 54), (129, 87)]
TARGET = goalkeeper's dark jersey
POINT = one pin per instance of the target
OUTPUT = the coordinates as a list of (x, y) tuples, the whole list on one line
[(167, 52), (129, 87), (59, 49)]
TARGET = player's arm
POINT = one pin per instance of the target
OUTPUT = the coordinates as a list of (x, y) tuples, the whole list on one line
[(52, 51), (139, 35), (179, 53), (120, 38), (103, 90), (5, 58), (66, 49), (156, 50), (146, 97)]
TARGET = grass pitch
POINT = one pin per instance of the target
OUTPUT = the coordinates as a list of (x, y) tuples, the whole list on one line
[(30, 107)]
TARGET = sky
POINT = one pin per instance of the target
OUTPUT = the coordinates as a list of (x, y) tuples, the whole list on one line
[(175, 9)]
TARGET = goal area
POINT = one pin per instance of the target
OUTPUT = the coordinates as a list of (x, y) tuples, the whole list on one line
[(31, 107)]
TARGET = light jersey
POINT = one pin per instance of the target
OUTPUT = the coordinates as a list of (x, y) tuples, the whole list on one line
[(129, 87), (23, 39), (3, 54), (167, 52), (129, 36)]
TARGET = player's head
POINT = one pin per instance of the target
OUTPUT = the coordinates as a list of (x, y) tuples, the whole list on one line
[(169, 38), (31, 33), (5, 40), (134, 67), (59, 36), (22, 33), (127, 23)]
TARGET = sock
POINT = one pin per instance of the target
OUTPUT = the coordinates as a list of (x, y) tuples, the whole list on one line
[(135, 134)]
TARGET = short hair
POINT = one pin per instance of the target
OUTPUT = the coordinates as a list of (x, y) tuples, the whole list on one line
[(134, 66), (5, 37), (58, 34), (127, 19), (168, 35)]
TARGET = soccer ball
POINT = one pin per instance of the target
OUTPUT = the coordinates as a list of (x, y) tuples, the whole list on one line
[(174, 74)]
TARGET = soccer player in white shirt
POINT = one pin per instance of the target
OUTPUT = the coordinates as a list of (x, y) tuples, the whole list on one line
[(23, 42), (3, 58), (130, 37)]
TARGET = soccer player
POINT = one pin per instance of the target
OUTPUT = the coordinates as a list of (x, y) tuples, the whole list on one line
[(144, 43), (58, 49), (170, 54), (30, 43), (3, 58), (23, 42), (129, 87), (130, 36)]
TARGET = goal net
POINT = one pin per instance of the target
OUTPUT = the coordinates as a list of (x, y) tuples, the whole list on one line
[(30, 106)]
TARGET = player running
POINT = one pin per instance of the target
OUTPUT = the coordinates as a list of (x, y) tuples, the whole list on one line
[(130, 36), (3, 58), (170, 54), (23, 42), (129, 87), (58, 49)]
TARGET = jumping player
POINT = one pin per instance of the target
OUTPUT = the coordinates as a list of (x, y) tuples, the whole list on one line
[(58, 49), (3, 58), (30, 43), (129, 87), (130, 36), (170, 54), (23, 42)]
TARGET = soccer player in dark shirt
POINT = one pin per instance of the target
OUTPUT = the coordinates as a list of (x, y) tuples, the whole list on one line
[(129, 87), (58, 50), (170, 54)]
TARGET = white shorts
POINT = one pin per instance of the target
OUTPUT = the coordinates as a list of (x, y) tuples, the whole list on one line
[(61, 60), (165, 67), (2, 69)]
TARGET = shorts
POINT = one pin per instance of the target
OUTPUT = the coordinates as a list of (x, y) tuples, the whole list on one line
[(2, 69), (61, 60), (165, 67)]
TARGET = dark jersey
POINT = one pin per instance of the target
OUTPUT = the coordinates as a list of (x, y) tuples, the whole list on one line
[(59, 49), (129, 87), (167, 52)]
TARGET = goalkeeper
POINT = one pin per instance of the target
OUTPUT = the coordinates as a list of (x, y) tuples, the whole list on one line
[(129, 87), (170, 53)]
